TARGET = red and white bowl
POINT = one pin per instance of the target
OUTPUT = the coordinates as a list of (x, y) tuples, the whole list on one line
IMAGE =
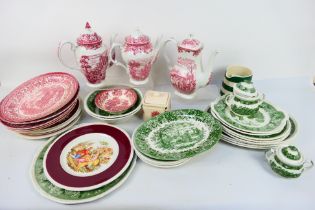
[(116, 100)]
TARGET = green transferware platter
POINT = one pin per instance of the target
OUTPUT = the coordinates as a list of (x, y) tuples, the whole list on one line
[(177, 134), (52, 192), (268, 120)]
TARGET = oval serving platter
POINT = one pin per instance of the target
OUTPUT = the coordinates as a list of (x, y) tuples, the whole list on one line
[(178, 134)]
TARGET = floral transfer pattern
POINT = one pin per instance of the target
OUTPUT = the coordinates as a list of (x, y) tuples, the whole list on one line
[(154, 113), (84, 157)]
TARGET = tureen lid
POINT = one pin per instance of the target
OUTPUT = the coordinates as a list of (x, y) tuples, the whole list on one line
[(137, 38), (290, 155), (245, 90), (89, 37), (190, 43)]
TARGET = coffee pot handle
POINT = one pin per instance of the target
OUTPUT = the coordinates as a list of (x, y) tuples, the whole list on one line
[(168, 61), (113, 60), (73, 48)]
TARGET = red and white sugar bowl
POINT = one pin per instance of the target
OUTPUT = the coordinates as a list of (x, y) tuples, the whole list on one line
[(91, 56), (155, 103)]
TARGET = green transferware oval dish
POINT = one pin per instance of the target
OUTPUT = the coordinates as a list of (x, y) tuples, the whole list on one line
[(178, 134)]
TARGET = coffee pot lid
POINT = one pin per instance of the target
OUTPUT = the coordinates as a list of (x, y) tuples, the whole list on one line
[(89, 37), (137, 38), (190, 43)]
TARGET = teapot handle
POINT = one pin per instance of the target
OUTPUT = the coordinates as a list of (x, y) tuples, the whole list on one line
[(269, 153), (73, 47), (113, 60), (168, 61)]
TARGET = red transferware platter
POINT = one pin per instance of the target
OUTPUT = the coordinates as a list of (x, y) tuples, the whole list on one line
[(87, 157), (39, 97), (116, 100)]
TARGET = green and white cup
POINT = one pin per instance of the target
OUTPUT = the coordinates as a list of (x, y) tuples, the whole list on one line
[(233, 75)]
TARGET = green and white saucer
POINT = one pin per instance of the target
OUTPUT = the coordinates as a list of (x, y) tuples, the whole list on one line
[(268, 119), (51, 192), (177, 134)]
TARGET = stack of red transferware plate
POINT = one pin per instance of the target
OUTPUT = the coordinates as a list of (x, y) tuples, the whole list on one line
[(43, 106)]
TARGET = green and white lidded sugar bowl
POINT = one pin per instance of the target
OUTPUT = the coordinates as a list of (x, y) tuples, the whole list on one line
[(245, 99), (287, 161)]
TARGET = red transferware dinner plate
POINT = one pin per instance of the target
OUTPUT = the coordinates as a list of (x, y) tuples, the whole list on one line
[(39, 97), (87, 157), (116, 100), (48, 123)]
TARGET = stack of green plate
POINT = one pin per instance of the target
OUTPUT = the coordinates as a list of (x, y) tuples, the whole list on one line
[(269, 127), (172, 138)]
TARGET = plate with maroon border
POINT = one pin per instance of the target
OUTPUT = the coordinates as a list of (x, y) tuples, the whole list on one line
[(88, 156)]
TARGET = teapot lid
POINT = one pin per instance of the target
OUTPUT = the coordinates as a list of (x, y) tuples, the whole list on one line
[(137, 38), (89, 37), (290, 155), (190, 43)]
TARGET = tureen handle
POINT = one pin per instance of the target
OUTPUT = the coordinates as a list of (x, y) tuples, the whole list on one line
[(113, 60), (73, 48), (308, 164), (269, 154)]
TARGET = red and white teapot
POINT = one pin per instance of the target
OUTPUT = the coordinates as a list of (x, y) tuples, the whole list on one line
[(138, 54), (189, 74), (91, 56)]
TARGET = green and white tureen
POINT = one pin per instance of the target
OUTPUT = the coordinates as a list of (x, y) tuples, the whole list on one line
[(245, 99), (287, 161)]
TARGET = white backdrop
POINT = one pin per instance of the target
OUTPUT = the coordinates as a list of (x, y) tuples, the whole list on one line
[(274, 38)]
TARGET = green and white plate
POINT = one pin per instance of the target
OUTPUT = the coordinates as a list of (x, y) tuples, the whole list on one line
[(177, 134), (262, 139), (155, 162), (268, 120), (51, 192), (263, 144)]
